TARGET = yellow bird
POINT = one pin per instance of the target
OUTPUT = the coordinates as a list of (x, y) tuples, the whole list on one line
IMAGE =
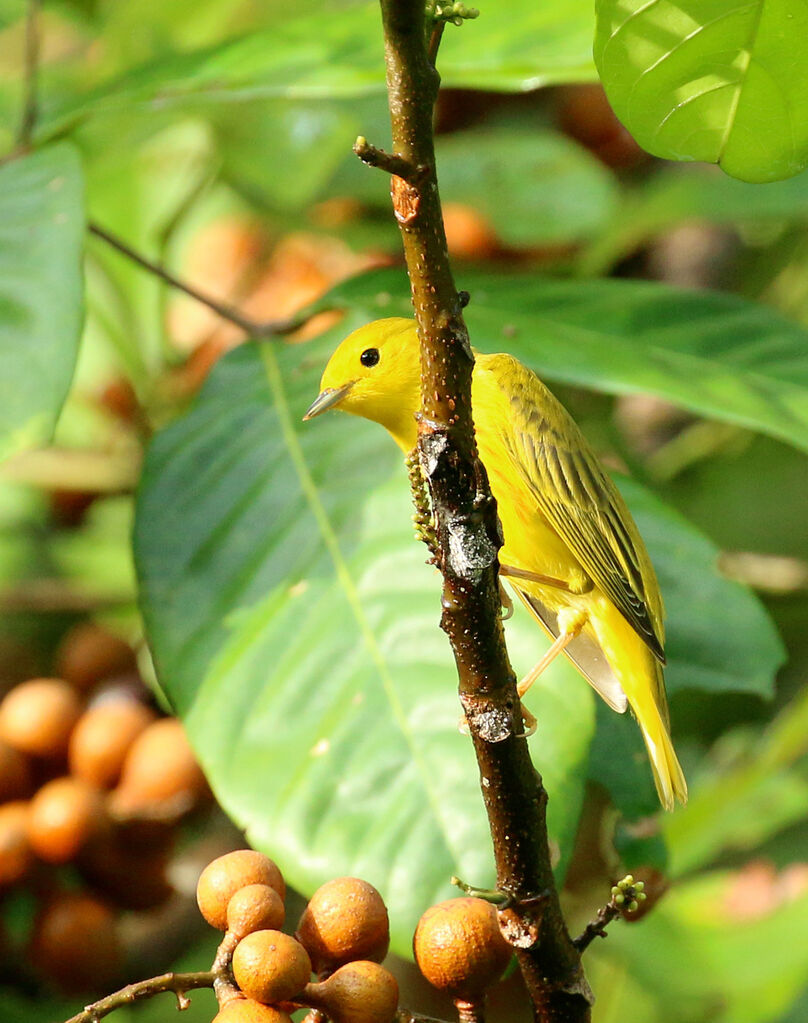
[(572, 551)]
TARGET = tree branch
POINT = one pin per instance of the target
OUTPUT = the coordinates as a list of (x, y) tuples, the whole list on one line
[(178, 983), (627, 895), (597, 928), (375, 157), (252, 328), (469, 538)]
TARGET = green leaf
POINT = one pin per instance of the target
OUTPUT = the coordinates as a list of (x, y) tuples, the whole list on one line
[(140, 183), (692, 193), (295, 629), (714, 354), (716, 80), (723, 959), (282, 153), (534, 187), (528, 44), (736, 809), (41, 235), (719, 638)]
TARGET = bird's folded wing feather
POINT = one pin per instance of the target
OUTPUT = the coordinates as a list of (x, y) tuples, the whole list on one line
[(584, 507)]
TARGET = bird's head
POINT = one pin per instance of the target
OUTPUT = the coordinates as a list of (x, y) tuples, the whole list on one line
[(375, 372)]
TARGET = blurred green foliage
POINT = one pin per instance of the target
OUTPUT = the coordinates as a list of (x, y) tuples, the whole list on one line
[(292, 622)]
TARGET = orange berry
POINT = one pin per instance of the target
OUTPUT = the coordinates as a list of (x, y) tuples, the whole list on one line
[(64, 815), (15, 774), (16, 856), (159, 768), (76, 943), (88, 654), (131, 877), (468, 233), (360, 992), (459, 947), (255, 907), (247, 1010), (38, 716), (346, 919), (269, 966), (102, 738), (224, 876)]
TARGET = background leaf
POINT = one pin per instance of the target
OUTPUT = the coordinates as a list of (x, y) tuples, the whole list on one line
[(714, 354), (685, 194), (713, 80), (534, 187), (41, 234), (524, 46), (294, 627), (721, 962)]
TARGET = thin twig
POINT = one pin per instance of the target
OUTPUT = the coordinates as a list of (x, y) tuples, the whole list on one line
[(627, 895), (57, 596), (597, 928), (30, 81), (253, 328), (434, 41), (177, 983), (375, 157)]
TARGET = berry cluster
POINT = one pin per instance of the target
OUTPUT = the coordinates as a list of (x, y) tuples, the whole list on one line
[(342, 936), (92, 785), (628, 894)]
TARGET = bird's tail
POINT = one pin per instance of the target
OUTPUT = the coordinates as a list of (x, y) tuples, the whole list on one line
[(668, 775)]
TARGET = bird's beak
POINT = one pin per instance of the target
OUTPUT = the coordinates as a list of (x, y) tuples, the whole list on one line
[(327, 399)]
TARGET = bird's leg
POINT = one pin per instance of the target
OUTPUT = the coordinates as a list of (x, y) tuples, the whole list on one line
[(570, 622), (505, 601), (534, 577)]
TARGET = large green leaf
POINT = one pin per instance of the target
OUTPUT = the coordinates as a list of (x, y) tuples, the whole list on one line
[(525, 45), (41, 234), (723, 81), (294, 627), (715, 354)]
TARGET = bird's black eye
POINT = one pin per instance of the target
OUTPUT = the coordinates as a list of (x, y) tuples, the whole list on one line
[(369, 357)]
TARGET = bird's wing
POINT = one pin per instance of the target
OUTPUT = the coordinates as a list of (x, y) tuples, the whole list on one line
[(584, 507), (583, 651)]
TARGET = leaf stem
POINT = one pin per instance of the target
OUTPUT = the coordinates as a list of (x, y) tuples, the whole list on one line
[(252, 328)]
